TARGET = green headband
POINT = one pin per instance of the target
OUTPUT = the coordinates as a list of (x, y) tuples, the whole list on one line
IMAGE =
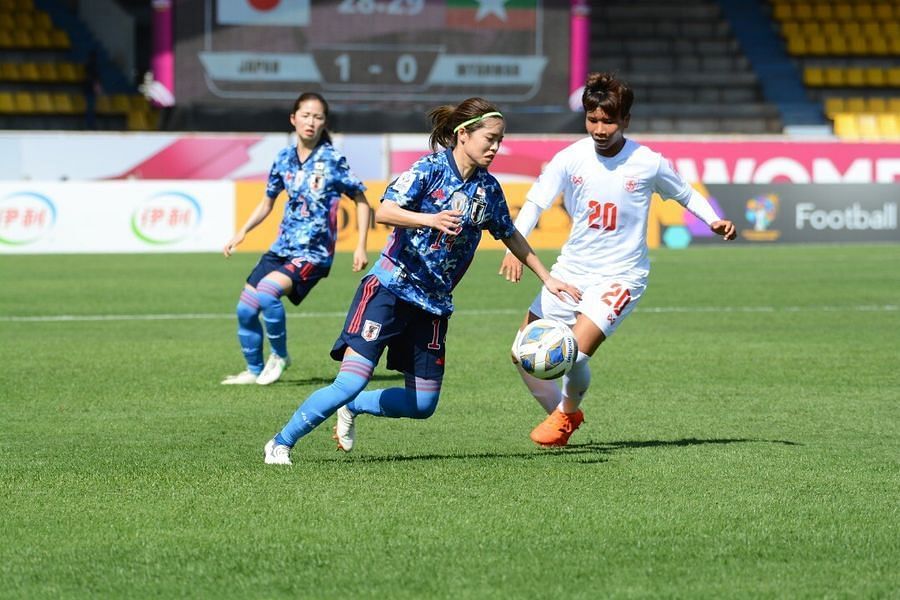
[(472, 121)]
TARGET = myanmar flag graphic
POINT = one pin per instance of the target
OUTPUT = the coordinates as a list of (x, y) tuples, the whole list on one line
[(519, 15)]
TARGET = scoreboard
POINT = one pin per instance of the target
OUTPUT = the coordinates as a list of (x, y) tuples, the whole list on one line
[(371, 53)]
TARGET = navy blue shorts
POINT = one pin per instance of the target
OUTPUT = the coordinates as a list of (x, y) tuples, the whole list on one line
[(304, 275), (378, 319)]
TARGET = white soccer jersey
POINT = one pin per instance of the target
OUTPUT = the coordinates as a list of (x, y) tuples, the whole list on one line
[(608, 200)]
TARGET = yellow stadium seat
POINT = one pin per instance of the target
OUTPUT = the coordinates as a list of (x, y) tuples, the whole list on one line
[(796, 46), (816, 45), (868, 126), (845, 126), (7, 23), (813, 76), (29, 72), (41, 39), (876, 105), (837, 45), (7, 105), (875, 77), (894, 46), (871, 29), (891, 28), (79, 103), (43, 103), (893, 77), (790, 29), (9, 71), (24, 20), (803, 11), (889, 126), (120, 103), (138, 120), (48, 71), (894, 105), (62, 103), (810, 28), (852, 29), (855, 77), (822, 11), (863, 11), (60, 39), (833, 106), (879, 45), (22, 39), (855, 105), (834, 76), (843, 12), (138, 102), (782, 11), (70, 72), (104, 105), (859, 45), (6, 39), (42, 21), (832, 28), (884, 12), (24, 102)]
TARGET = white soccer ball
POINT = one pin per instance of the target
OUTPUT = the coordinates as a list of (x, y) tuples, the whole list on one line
[(546, 349)]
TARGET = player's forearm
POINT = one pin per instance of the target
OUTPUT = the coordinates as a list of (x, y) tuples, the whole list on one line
[(521, 249), (700, 207), (390, 213), (363, 215), (258, 215)]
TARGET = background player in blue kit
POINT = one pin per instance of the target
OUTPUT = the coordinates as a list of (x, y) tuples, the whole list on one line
[(314, 175), (438, 208)]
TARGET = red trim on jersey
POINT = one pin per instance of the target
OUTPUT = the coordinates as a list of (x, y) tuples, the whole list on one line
[(369, 290)]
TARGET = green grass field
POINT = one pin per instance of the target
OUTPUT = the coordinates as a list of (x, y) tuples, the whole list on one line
[(742, 440)]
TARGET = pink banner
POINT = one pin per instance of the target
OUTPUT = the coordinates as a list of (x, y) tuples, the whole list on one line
[(758, 161)]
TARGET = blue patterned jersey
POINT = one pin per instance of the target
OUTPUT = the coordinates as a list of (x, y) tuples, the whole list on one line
[(423, 265), (314, 188)]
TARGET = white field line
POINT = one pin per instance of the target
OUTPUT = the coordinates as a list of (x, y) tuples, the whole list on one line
[(459, 313)]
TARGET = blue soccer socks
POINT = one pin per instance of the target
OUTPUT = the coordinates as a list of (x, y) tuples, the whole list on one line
[(269, 295), (250, 333), (355, 373), (418, 400)]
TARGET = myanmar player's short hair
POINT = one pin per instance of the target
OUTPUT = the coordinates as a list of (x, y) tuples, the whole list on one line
[(605, 91)]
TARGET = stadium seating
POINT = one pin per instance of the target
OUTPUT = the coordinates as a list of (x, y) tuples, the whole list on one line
[(848, 52), (42, 78), (685, 65)]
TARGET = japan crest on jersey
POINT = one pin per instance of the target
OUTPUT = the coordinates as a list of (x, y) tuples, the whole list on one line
[(318, 177), (370, 331)]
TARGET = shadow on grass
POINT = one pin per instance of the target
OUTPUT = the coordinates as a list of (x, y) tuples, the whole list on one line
[(591, 452), (321, 381)]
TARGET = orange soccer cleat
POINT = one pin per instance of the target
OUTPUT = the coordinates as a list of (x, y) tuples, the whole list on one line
[(555, 430)]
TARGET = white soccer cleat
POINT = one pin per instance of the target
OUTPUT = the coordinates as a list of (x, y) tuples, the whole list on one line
[(277, 454), (345, 430), (242, 378), (275, 366)]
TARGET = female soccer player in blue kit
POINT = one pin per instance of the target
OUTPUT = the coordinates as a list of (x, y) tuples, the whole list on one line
[(438, 208), (314, 175)]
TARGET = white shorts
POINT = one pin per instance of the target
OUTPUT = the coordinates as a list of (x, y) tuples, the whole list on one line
[(606, 302)]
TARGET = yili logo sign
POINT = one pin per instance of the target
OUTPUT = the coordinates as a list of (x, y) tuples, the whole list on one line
[(25, 217), (166, 218)]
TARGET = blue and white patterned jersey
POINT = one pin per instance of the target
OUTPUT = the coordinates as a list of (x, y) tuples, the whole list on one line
[(423, 265), (314, 188)]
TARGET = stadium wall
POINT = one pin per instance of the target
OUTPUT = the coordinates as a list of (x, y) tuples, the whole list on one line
[(188, 193)]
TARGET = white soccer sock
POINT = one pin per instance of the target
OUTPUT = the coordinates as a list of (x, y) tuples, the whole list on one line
[(547, 393), (575, 384)]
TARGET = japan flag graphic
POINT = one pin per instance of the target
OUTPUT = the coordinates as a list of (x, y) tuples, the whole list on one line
[(287, 13)]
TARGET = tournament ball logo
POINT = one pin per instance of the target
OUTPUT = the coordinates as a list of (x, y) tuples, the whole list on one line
[(25, 217), (166, 218)]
